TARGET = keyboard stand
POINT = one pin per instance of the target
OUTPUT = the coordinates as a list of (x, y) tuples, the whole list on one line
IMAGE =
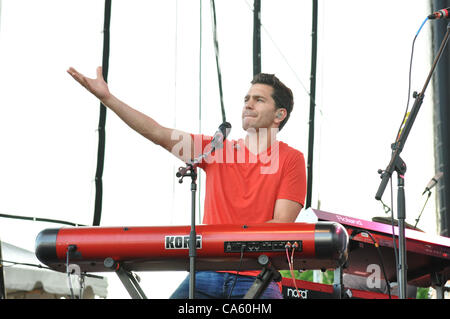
[(264, 278), (128, 279), (338, 287)]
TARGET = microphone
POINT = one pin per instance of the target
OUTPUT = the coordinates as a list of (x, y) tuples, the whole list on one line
[(220, 135), (216, 142), (433, 182), (441, 14)]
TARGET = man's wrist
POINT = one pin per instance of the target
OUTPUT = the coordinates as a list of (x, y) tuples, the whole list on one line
[(108, 100)]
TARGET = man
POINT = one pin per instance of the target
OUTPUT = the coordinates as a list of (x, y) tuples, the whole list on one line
[(256, 179)]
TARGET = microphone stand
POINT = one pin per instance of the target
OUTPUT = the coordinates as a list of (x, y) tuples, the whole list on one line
[(397, 164), (423, 208), (191, 170)]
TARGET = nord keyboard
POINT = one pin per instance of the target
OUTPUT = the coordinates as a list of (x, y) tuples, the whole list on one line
[(428, 256)]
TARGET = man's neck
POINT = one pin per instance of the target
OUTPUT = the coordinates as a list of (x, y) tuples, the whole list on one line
[(260, 140)]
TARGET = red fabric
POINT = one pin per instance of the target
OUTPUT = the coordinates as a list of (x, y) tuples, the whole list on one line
[(242, 187)]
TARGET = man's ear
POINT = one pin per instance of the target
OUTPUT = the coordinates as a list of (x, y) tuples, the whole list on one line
[(280, 115)]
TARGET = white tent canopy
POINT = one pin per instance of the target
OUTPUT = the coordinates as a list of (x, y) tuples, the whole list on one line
[(22, 280)]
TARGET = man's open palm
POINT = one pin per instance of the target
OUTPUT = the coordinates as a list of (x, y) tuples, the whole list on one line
[(97, 86)]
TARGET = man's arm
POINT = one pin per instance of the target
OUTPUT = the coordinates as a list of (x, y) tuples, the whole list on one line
[(285, 211), (146, 126)]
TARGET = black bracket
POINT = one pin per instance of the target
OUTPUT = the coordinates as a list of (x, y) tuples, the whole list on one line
[(339, 291), (128, 279), (438, 283), (264, 278)]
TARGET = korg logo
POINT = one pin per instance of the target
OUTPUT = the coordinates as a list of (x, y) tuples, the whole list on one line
[(181, 242)]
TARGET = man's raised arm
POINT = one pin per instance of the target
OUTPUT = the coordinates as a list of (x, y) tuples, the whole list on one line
[(177, 142)]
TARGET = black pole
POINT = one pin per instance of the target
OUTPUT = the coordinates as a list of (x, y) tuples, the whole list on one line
[(441, 105), (102, 121), (191, 170), (397, 164), (312, 106), (256, 37), (2, 276), (192, 237)]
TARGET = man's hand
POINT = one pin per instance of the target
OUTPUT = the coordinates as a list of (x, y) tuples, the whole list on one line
[(177, 142), (97, 86)]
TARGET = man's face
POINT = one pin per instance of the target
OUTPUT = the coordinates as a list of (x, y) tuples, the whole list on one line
[(259, 109)]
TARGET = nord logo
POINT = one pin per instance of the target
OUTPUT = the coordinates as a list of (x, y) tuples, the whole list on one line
[(181, 242), (294, 293)]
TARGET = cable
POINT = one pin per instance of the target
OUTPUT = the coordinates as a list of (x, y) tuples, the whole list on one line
[(15, 263), (216, 50), (285, 60), (394, 243), (380, 256), (291, 263), (237, 273), (174, 123), (38, 219), (199, 198), (405, 116), (386, 208), (423, 208), (68, 272)]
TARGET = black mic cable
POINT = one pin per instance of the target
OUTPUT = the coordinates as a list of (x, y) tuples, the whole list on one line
[(405, 116)]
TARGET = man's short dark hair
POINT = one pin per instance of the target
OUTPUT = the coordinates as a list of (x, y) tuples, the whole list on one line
[(282, 95)]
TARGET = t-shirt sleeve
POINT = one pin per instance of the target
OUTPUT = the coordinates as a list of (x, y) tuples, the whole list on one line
[(293, 181)]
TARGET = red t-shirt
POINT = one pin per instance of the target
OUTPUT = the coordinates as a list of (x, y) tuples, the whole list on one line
[(242, 187)]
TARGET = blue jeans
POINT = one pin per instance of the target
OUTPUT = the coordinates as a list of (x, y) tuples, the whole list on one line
[(217, 285)]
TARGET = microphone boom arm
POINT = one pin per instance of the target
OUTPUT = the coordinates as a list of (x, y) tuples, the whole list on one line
[(397, 164)]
